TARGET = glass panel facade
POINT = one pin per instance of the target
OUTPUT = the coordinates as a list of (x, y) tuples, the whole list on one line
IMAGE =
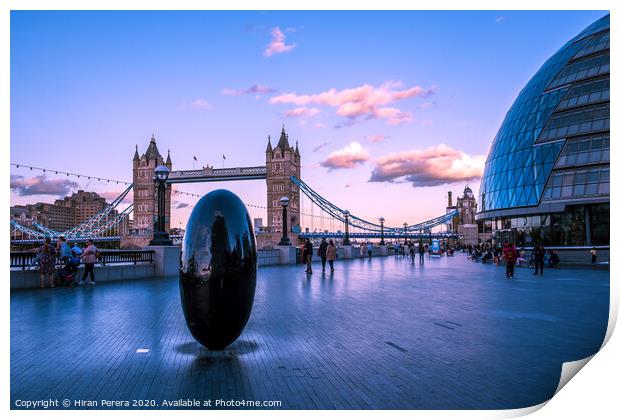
[(598, 43), (586, 93), (576, 122), (554, 142), (577, 226), (576, 183), (585, 150), (599, 222), (582, 69)]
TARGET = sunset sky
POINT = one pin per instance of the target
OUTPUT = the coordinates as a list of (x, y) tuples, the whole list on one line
[(390, 109)]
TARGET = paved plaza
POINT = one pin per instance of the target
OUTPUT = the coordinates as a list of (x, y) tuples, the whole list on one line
[(380, 334)]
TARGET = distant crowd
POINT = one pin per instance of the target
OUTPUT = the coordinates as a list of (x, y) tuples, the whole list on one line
[(538, 258), (58, 264)]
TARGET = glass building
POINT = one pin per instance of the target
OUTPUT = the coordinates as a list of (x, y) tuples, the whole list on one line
[(546, 177)]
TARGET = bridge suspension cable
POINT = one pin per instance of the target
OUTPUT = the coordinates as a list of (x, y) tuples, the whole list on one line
[(359, 223)]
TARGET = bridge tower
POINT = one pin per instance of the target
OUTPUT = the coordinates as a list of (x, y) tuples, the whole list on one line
[(282, 162), (144, 191)]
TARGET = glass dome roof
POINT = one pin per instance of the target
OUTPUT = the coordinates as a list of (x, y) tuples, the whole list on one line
[(549, 110)]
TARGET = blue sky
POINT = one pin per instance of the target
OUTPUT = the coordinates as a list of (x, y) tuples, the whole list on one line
[(86, 87)]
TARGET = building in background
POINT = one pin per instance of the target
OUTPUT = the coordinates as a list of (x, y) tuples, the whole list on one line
[(282, 162), (23, 216), (258, 224), (546, 178), (469, 230), (144, 191), (66, 213)]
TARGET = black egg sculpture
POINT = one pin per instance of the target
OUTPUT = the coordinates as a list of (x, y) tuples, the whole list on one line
[(218, 269)]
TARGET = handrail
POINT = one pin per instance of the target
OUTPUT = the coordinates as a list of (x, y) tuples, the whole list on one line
[(26, 259)]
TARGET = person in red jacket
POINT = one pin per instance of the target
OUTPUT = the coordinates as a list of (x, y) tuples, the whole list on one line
[(510, 256)]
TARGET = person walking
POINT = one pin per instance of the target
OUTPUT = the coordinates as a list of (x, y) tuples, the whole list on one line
[(307, 256), (369, 248), (593, 254), (510, 256), (47, 258), (539, 259), (412, 252), (322, 252), (89, 258), (421, 252), (331, 254)]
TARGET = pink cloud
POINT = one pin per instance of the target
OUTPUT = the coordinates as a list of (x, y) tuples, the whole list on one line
[(377, 138), (41, 185), (363, 101), (302, 111), (201, 104), (112, 195), (428, 167), (252, 90), (348, 157), (278, 44)]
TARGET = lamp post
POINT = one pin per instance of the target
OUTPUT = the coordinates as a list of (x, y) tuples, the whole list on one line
[(405, 226), (160, 236), (346, 240), (284, 241), (382, 220)]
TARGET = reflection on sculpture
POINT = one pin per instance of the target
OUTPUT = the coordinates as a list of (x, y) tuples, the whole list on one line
[(218, 269)]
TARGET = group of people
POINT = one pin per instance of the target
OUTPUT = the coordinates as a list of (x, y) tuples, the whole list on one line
[(49, 256), (327, 252), (410, 249), (538, 259)]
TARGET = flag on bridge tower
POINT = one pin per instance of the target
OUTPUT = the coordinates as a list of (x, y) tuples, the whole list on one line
[(195, 159), (224, 157)]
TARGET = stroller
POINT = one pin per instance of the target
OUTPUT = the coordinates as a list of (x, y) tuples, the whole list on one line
[(67, 272)]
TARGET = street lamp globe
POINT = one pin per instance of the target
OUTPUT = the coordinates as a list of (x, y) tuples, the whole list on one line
[(346, 212), (284, 201), (161, 173), (381, 219)]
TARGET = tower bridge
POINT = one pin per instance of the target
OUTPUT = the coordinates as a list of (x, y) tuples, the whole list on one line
[(282, 173), (210, 174)]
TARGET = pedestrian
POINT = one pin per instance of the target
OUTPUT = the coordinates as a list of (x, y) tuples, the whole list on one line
[(307, 255), (331, 254), (521, 256), (89, 258), (497, 255), (412, 252), (63, 249), (421, 252), (369, 248), (593, 254), (76, 251), (363, 250), (322, 252), (554, 259), (47, 258), (539, 259), (510, 256), (397, 249)]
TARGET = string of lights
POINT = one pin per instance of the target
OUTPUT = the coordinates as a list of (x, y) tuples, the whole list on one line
[(121, 182), (110, 180)]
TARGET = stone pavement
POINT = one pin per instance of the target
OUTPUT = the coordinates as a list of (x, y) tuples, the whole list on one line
[(380, 334)]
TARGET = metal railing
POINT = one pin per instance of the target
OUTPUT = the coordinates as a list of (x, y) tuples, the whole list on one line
[(126, 256), (27, 260)]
